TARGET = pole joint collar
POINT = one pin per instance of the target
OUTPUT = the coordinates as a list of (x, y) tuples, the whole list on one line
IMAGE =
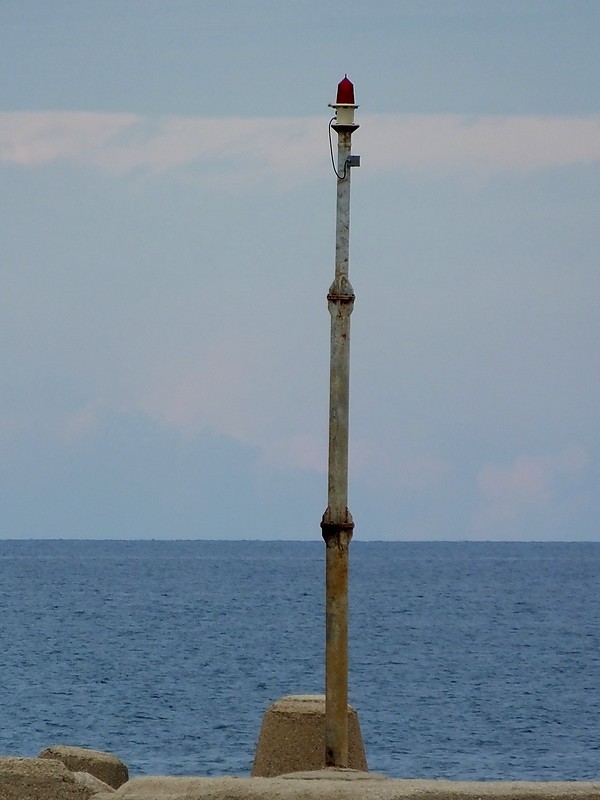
[(336, 529)]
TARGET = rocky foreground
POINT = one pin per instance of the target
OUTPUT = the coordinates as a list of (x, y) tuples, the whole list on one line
[(74, 773)]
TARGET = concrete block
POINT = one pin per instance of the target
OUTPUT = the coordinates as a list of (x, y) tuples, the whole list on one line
[(339, 786), (104, 766), (95, 785), (292, 737), (40, 779)]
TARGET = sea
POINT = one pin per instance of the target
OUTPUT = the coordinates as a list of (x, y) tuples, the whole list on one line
[(468, 660)]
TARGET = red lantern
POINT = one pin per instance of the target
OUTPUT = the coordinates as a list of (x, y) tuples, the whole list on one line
[(345, 92)]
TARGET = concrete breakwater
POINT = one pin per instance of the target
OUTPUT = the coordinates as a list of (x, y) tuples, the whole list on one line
[(62, 773), (73, 773)]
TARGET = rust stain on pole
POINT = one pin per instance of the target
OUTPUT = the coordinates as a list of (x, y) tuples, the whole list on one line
[(336, 657), (337, 524)]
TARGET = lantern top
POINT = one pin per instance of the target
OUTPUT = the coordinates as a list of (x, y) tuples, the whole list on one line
[(344, 107), (345, 92)]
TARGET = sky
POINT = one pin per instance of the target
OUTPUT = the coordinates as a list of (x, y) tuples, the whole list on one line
[(168, 228)]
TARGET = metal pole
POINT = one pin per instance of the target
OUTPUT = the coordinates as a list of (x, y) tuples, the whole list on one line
[(337, 524)]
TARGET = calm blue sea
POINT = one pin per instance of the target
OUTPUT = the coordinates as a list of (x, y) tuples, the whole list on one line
[(468, 660)]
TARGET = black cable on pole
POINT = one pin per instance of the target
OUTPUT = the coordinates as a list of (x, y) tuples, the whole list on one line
[(340, 177)]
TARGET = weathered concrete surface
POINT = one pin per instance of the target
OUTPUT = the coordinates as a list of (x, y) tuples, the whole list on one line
[(327, 785), (41, 779), (292, 737), (95, 784), (104, 766)]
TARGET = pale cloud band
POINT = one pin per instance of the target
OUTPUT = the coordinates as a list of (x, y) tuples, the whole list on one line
[(294, 148), (530, 482)]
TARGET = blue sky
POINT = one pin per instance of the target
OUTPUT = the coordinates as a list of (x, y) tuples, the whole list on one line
[(168, 220)]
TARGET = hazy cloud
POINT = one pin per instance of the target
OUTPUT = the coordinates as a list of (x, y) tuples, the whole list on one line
[(529, 483), (30, 138), (236, 149), (485, 144), (299, 451), (150, 317)]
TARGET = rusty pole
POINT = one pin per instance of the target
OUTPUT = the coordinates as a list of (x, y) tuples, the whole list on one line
[(337, 524)]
